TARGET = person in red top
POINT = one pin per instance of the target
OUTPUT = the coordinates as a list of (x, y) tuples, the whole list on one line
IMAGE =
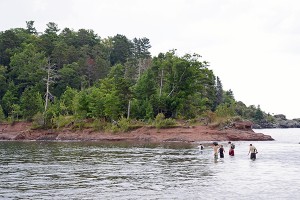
[(231, 149)]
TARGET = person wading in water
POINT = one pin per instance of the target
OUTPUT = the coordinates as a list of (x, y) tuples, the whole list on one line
[(215, 147), (231, 149), (253, 152), (221, 151)]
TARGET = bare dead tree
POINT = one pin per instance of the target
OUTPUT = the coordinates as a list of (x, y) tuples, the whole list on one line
[(50, 79)]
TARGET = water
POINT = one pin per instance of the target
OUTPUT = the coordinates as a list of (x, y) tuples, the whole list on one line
[(94, 170)]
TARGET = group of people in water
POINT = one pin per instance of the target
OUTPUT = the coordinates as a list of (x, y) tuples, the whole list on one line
[(219, 150)]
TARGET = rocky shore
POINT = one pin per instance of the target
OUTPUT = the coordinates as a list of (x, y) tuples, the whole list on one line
[(22, 131), (280, 121)]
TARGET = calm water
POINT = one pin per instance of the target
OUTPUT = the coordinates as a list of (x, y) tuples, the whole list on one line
[(93, 170)]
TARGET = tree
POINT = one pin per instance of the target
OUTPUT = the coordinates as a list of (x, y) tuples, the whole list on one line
[(52, 28), (178, 78), (228, 97), (121, 49), (97, 104), (3, 83), (68, 76), (2, 116), (86, 37), (141, 54), (31, 103), (219, 93), (258, 114), (81, 104), (49, 38), (67, 101), (122, 86), (50, 79), (10, 41), (8, 100), (27, 68), (30, 27)]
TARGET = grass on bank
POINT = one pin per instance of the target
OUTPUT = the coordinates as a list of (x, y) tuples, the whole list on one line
[(73, 123)]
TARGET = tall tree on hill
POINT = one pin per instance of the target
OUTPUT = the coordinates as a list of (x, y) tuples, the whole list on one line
[(49, 38), (27, 68), (86, 37), (10, 41), (30, 27), (121, 49), (219, 93), (259, 115), (141, 54)]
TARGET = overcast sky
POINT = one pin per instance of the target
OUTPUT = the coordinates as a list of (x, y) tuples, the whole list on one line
[(252, 45)]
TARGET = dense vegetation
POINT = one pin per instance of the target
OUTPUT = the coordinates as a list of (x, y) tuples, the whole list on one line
[(64, 76)]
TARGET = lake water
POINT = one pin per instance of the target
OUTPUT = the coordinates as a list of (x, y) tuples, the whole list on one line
[(95, 170)]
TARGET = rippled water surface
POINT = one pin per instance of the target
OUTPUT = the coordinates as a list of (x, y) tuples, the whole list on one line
[(94, 170)]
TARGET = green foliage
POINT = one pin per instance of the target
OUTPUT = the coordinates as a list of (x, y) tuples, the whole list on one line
[(51, 114), (38, 121), (27, 67), (209, 117), (63, 121), (67, 101), (225, 110), (98, 77), (258, 114), (2, 116), (16, 111), (69, 78), (31, 103), (161, 122), (81, 104), (124, 124), (3, 83), (8, 100), (99, 125), (219, 93), (121, 49), (270, 118)]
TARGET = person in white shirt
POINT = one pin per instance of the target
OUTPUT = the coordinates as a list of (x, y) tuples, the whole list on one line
[(253, 152)]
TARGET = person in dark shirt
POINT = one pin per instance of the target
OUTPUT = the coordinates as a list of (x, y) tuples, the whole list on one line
[(221, 151)]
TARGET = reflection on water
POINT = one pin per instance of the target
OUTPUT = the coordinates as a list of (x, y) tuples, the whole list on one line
[(94, 170)]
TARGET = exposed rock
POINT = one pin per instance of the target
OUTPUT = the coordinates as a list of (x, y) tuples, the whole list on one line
[(243, 125), (280, 116), (240, 131), (297, 120), (279, 122)]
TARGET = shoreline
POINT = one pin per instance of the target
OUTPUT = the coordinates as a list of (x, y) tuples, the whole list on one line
[(21, 131)]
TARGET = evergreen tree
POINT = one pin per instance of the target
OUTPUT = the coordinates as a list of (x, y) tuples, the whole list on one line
[(219, 93), (258, 114), (31, 103)]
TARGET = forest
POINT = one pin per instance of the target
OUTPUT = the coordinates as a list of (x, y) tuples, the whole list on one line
[(57, 77)]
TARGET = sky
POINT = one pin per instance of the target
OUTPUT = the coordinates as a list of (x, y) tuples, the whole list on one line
[(253, 46)]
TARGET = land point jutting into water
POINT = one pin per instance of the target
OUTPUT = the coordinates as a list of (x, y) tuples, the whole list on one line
[(240, 131)]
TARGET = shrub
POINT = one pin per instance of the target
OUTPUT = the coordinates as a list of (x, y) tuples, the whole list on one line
[(99, 125), (124, 124), (161, 122), (38, 121), (62, 121)]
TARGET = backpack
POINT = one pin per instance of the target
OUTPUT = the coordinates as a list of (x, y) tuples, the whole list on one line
[(232, 146), (255, 150)]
